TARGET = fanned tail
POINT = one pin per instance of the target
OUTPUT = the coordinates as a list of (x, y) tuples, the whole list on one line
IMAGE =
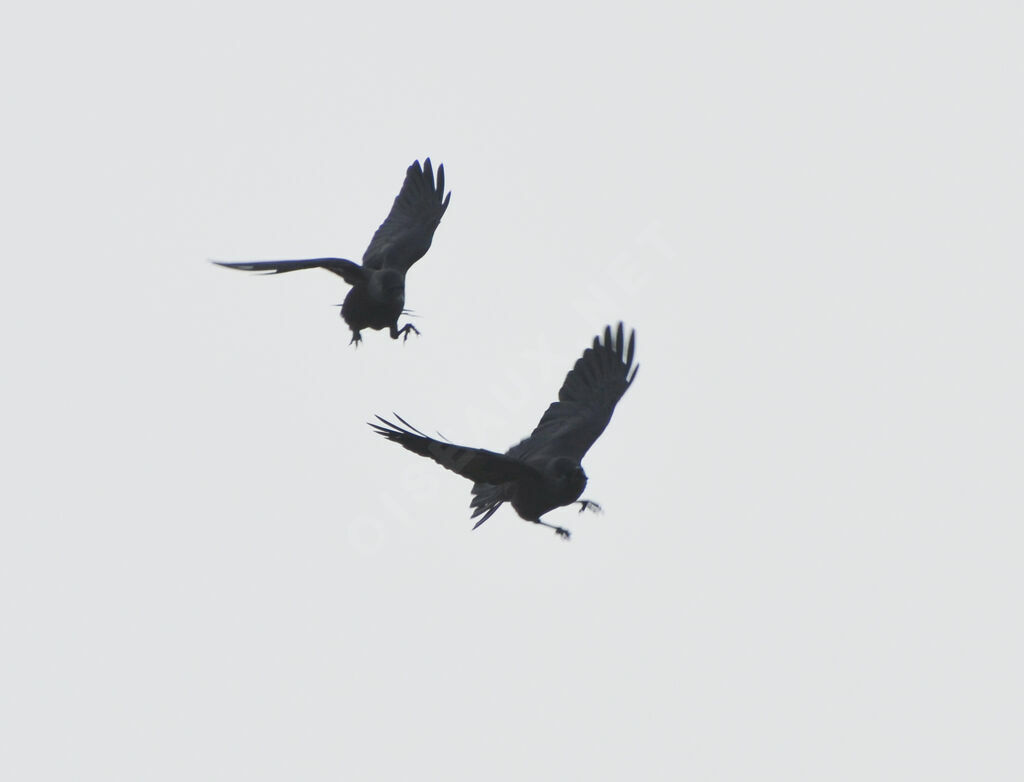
[(487, 498)]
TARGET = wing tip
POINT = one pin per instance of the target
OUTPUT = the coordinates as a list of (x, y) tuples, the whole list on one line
[(617, 342), (623, 348), (240, 265)]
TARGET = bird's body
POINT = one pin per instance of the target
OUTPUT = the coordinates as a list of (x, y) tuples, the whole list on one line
[(543, 471), (558, 484), (377, 297), (377, 304)]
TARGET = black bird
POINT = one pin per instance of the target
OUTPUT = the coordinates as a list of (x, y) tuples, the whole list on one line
[(377, 297), (543, 472)]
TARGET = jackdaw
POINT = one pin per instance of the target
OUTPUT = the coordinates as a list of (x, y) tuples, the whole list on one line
[(542, 472), (377, 297)]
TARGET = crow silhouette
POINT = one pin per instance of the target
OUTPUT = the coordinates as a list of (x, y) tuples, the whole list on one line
[(542, 472), (377, 298)]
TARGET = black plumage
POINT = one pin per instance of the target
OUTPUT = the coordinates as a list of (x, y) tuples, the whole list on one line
[(377, 297), (543, 471)]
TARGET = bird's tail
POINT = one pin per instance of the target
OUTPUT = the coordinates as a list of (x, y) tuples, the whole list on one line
[(487, 498)]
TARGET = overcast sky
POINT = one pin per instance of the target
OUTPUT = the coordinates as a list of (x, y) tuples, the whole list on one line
[(808, 566)]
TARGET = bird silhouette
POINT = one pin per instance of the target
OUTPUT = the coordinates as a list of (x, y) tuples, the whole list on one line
[(377, 297), (542, 472)]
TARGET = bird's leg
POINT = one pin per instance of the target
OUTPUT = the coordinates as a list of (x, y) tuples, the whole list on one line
[(560, 531), (404, 331), (589, 505), (356, 338)]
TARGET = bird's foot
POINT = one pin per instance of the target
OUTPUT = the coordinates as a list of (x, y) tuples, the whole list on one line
[(589, 505), (356, 338), (404, 331), (560, 531)]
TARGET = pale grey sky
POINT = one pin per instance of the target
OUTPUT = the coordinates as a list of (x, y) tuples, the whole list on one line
[(809, 562)]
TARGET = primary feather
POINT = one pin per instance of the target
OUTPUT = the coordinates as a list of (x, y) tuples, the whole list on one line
[(586, 400), (406, 234)]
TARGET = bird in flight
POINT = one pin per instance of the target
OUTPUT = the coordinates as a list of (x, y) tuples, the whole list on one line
[(542, 472), (377, 297)]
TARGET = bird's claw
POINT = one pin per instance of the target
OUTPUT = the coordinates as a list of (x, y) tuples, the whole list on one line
[(356, 339), (589, 505), (403, 332), (564, 534)]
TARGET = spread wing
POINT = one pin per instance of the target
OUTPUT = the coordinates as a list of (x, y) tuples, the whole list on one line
[(586, 400), (405, 236), (352, 273), (474, 463)]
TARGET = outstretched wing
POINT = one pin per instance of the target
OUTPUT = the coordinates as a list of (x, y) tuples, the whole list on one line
[(405, 236), (351, 272), (474, 463), (586, 400)]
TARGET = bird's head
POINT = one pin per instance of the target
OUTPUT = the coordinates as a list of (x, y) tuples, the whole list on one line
[(568, 472)]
